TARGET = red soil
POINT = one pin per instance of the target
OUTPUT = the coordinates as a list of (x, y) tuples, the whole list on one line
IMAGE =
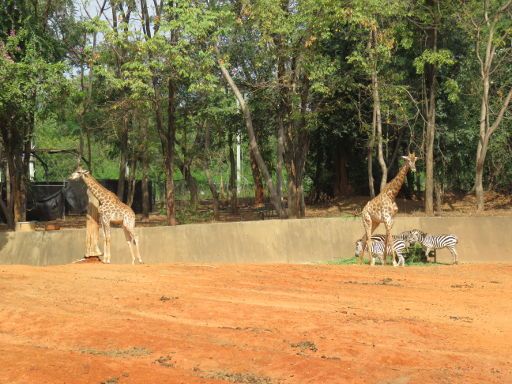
[(256, 324)]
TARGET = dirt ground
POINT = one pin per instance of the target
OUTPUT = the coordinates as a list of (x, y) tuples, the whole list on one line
[(255, 324)]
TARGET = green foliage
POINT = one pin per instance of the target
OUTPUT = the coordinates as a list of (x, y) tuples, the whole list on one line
[(65, 79), (439, 58)]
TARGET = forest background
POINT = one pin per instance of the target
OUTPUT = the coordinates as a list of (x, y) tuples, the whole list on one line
[(320, 97)]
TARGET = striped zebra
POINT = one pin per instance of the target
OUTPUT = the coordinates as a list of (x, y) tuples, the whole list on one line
[(405, 236), (378, 243), (433, 242)]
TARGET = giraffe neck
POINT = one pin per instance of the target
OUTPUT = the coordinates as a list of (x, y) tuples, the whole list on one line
[(393, 187), (98, 190)]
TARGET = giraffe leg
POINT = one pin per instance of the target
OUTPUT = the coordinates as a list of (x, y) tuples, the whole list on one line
[(367, 223), (106, 241), (137, 251), (369, 227), (389, 240), (132, 240), (129, 238)]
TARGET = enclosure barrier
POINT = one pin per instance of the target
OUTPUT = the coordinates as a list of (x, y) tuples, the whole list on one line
[(482, 239)]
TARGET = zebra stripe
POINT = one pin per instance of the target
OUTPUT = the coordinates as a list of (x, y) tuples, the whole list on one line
[(378, 245), (405, 236), (432, 242)]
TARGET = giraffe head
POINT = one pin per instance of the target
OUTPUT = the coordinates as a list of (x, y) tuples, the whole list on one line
[(79, 173), (410, 160)]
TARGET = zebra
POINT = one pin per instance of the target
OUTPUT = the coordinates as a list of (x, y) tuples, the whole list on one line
[(433, 242), (405, 236), (378, 242)]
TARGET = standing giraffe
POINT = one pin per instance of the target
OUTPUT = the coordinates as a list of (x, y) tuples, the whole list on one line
[(111, 210), (382, 208)]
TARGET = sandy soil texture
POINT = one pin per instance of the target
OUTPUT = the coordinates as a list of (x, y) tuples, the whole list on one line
[(256, 324)]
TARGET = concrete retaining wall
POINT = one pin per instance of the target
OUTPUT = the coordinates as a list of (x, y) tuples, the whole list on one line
[(482, 239)]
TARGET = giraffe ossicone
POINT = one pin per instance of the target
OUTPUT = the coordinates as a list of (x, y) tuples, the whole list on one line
[(111, 210), (382, 208)]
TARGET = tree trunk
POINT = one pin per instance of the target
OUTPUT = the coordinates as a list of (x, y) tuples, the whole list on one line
[(377, 123), (371, 181), (438, 190), (145, 173), (9, 201), (192, 187), (486, 129), (232, 175), (171, 139), (167, 140), (253, 145), (377, 118), (280, 160), (211, 184), (341, 180), (258, 184), (19, 196), (123, 159), (131, 181), (295, 163), (430, 107)]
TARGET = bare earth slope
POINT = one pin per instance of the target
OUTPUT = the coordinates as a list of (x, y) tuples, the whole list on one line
[(255, 324)]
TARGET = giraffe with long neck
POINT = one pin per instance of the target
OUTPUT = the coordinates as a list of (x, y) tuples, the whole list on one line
[(383, 208), (111, 210)]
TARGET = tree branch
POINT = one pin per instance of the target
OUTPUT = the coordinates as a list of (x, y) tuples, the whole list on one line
[(501, 113)]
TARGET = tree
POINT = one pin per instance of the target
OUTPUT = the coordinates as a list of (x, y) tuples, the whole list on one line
[(31, 77), (490, 24), (380, 31)]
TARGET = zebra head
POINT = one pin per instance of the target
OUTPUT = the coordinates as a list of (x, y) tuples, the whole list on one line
[(416, 236), (359, 247)]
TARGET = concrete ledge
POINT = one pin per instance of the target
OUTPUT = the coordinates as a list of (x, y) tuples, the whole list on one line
[(482, 239)]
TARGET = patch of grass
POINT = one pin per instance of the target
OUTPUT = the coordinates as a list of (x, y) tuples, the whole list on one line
[(385, 281), (189, 216), (165, 361), (167, 298), (241, 378), (423, 263), (305, 345), (348, 261), (112, 380), (132, 352), (462, 318), (465, 285)]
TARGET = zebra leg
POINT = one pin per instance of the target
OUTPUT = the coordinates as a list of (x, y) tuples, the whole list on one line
[(427, 253), (376, 256), (394, 256), (454, 254), (401, 259)]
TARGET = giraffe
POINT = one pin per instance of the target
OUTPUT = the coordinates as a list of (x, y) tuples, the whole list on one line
[(111, 210), (382, 208)]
